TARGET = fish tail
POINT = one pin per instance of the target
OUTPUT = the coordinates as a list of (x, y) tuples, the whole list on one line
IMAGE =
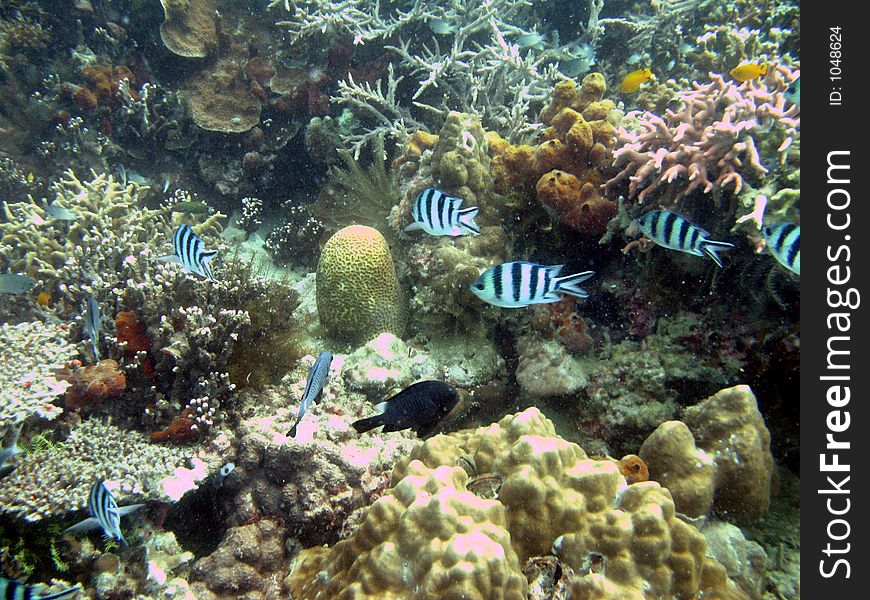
[(292, 432), (466, 220), (711, 247), (570, 284), (368, 423), (67, 593)]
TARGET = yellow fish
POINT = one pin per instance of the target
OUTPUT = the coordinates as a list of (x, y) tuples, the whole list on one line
[(631, 82), (748, 71)]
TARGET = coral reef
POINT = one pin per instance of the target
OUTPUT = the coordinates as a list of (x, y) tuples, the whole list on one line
[(358, 292), (244, 563), (710, 143), (32, 352), (188, 29), (547, 369), (551, 496), (720, 457), (92, 384), (678, 465), (730, 428), (55, 481), (441, 272)]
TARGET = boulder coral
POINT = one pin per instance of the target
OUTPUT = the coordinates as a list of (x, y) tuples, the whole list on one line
[(729, 426), (718, 458), (358, 292), (433, 532)]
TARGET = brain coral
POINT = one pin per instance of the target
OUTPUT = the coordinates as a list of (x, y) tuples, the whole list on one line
[(433, 536), (358, 292)]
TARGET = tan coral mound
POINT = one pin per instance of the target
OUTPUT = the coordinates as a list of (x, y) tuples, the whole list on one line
[(431, 537)]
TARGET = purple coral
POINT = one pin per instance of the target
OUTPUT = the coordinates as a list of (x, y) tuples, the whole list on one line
[(711, 142)]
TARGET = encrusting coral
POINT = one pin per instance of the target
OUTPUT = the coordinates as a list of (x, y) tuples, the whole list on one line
[(358, 292), (430, 533)]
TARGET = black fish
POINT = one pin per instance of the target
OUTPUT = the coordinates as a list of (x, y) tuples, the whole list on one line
[(419, 406)]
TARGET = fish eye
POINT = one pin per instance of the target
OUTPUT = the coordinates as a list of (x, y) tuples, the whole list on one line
[(478, 286)]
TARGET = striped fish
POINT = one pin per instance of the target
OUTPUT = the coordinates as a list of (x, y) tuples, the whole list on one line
[(189, 252), (784, 242), (675, 232), (14, 590), (93, 321), (520, 283), (105, 513), (313, 387), (437, 213)]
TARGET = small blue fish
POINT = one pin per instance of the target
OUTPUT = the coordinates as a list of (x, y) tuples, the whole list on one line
[(675, 232), (313, 387), (15, 590), (56, 212), (531, 40), (93, 323), (189, 252), (520, 283), (8, 451), (105, 513), (13, 283), (793, 92), (784, 242), (419, 406), (441, 27), (438, 213)]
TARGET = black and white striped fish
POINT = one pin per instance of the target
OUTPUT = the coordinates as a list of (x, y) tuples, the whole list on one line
[(105, 513), (438, 213), (313, 387), (15, 590), (520, 283), (190, 253), (675, 232), (784, 242), (93, 322)]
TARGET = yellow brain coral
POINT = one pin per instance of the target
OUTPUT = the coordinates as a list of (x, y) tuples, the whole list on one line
[(358, 292)]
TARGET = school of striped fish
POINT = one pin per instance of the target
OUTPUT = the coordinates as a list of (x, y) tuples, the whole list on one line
[(424, 404)]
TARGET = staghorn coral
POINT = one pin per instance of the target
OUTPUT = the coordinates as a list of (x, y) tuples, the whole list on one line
[(710, 143), (110, 224), (552, 497), (31, 353), (358, 293)]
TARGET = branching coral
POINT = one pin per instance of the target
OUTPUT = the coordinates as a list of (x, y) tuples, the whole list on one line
[(708, 145), (31, 352)]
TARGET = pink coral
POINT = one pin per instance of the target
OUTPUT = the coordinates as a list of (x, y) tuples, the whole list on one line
[(710, 144)]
